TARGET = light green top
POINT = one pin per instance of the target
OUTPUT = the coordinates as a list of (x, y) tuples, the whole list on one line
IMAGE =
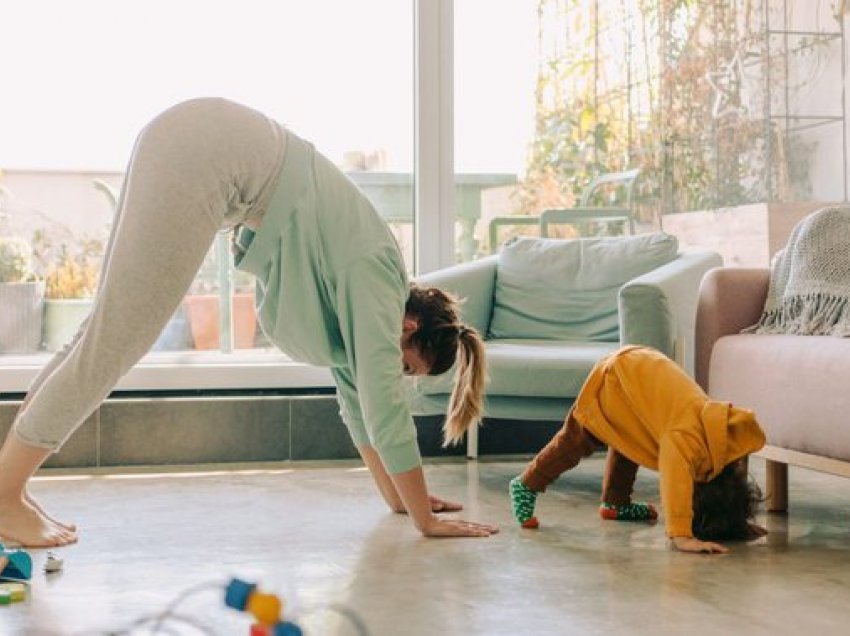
[(332, 288)]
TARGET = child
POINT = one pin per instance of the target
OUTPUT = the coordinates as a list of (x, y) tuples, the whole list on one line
[(334, 289), (650, 413)]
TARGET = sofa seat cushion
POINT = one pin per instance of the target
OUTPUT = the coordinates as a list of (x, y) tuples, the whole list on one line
[(567, 289), (532, 368), (797, 385)]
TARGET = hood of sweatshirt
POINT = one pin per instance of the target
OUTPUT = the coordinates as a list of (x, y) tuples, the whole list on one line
[(731, 433)]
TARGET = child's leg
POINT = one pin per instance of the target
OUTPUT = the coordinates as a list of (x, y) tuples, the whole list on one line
[(617, 486), (564, 451), (619, 479)]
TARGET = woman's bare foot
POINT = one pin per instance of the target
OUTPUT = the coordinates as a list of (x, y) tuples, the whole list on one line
[(71, 527), (22, 524)]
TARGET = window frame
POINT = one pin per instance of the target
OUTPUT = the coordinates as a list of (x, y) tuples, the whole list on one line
[(433, 241)]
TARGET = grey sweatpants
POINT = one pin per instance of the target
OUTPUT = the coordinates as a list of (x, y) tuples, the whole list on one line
[(202, 166)]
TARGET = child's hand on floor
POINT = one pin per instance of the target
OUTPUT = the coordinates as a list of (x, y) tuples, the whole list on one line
[(756, 531), (692, 544)]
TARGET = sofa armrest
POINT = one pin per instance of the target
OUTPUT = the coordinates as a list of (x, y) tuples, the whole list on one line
[(474, 282), (730, 299), (658, 309)]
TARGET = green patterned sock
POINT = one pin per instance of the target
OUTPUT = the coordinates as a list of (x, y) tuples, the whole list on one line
[(637, 511), (522, 500)]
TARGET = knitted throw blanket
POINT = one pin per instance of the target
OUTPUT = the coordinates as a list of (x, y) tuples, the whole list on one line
[(809, 291)]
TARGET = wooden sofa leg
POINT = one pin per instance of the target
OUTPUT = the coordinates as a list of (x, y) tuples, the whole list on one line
[(776, 485)]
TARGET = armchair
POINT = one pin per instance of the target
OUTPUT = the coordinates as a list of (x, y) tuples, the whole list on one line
[(623, 185), (797, 385), (549, 309)]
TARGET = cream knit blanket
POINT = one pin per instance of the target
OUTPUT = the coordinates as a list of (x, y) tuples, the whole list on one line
[(809, 292)]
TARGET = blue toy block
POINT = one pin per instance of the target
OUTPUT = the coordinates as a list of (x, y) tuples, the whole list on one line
[(285, 628), (19, 566), (237, 593)]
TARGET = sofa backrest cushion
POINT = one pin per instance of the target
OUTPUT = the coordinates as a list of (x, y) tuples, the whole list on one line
[(567, 289)]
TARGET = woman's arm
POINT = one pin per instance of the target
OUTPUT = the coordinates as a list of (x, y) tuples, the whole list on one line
[(410, 486), (382, 479), (388, 491), (406, 492)]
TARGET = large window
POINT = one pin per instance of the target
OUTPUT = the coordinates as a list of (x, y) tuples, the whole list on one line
[(704, 119), (494, 75), (81, 78), (466, 122)]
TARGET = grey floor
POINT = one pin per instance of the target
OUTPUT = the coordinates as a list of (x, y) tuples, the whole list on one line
[(317, 535)]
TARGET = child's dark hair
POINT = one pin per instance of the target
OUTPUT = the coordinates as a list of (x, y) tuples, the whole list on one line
[(725, 506), (439, 338)]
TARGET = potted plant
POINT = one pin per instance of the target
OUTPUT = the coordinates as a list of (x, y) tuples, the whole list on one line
[(203, 303), (21, 298), (71, 283)]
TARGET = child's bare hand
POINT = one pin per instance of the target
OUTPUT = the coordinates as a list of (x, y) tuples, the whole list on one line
[(438, 527), (756, 531), (691, 544)]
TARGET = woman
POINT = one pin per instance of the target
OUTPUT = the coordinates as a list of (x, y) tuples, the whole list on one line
[(334, 293)]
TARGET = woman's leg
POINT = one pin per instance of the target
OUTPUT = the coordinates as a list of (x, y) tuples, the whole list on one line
[(60, 355), (176, 196)]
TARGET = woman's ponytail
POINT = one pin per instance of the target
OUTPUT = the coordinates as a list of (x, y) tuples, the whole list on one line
[(467, 400)]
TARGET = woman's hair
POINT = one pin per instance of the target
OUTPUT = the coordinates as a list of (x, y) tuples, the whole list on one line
[(442, 339), (725, 506)]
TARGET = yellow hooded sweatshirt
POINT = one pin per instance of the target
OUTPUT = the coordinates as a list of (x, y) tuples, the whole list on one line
[(650, 411)]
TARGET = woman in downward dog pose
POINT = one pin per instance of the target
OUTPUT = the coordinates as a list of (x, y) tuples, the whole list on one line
[(333, 291)]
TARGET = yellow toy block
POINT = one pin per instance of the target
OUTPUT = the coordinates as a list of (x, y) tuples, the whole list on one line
[(266, 608), (16, 591)]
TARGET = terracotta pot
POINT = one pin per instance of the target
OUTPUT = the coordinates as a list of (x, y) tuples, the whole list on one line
[(203, 312)]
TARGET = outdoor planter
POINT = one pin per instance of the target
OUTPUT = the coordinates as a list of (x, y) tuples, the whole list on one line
[(744, 235), (62, 319), (203, 312), (20, 317)]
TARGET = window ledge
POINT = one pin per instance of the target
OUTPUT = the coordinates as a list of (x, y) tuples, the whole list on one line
[(246, 369)]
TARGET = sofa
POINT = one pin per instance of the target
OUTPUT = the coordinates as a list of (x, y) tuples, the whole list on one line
[(797, 385), (549, 309)]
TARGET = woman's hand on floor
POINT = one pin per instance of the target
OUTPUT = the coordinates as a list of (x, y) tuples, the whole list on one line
[(437, 505), (443, 505), (438, 527), (691, 544)]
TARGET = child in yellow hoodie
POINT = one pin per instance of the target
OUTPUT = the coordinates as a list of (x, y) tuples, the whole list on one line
[(650, 413)]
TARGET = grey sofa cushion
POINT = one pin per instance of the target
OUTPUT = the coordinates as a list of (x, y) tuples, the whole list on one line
[(567, 289)]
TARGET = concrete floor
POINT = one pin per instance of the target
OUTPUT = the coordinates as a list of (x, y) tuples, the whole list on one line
[(318, 534)]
